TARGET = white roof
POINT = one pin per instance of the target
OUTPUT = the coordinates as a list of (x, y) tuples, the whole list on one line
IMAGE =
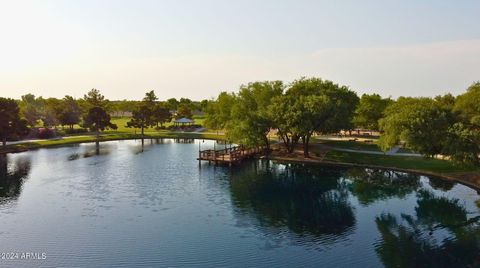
[(184, 120)]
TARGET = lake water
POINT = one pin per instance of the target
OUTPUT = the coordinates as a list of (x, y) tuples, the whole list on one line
[(156, 207)]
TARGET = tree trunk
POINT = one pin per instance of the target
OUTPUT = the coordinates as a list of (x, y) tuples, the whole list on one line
[(306, 142), (4, 141), (293, 143), (286, 141), (97, 142), (267, 145)]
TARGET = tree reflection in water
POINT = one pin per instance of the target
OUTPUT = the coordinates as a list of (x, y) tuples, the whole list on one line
[(311, 202), (371, 185), (12, 176), (439, 235)]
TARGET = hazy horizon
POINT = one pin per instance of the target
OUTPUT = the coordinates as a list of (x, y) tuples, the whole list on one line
[(196, 49)]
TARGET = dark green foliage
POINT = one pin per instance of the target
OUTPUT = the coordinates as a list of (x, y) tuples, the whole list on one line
[(421, 122), (11, 125), (97, 119), (142, 117), (369, 110), (94, 99), (184, 110), (309, 106), (70, 112), (250, 121), (161, 114)]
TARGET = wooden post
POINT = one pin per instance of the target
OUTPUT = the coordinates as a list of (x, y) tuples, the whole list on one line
[(199, 153)]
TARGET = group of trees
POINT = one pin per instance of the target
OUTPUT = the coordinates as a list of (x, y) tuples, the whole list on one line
[(296, 111), (52, 112), (445, 125), (184, 107), (11, 125), (149, 112), (92, 111)]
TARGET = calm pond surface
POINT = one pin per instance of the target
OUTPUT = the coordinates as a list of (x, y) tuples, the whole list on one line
[(157, 207)]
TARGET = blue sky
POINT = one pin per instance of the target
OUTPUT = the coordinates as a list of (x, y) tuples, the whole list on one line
[(198, 48)]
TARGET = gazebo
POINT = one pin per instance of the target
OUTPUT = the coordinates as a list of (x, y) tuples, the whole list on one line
[(183, 121)]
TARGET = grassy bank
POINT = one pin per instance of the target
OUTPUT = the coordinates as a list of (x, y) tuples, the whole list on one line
[(353, 145), (108, 136), (401, 162)]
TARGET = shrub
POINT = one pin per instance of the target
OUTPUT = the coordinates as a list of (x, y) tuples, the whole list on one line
[(45, 133)]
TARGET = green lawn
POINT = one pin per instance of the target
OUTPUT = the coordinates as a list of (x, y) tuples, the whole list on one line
[(109, 136), (121, 123), (354, 145), (404, 162)]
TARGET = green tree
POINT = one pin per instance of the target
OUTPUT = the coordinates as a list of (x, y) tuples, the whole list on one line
[(142, 118), (203, 105), (285, 119), (70, 113), (150, 97), (32, 115), (468, 106), (172, 104), (143, 115), (420, 122), (312, 105), (463, 139), (218, 112), (95, 99), (250, 121), (32, 108), (52, 111), (161, 114), (97, 119), (370, 110), (184, 111), (11, 125)]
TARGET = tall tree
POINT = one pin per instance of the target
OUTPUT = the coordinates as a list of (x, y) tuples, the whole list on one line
[(70, 113), (172, 104), (97, 119), (150, 97), (161, 114), (95, 99), (463, 140), (250, 121), (369, 110), (10, 123), (142, 117), (312, 105), (184, 111), (52, 111), (32, 108), (420, 122), (218, 112)]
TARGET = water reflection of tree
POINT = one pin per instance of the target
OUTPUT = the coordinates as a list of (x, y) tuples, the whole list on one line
[(370, 185), (440, 184), (308, 201), (441, 235), (12, 177)]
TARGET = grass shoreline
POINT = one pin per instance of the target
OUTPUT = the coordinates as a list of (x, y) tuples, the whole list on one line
[(442, 168), (69, 140), (458, 178)]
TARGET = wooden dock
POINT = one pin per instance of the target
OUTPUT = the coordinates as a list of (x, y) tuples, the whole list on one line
[(229, 156)]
